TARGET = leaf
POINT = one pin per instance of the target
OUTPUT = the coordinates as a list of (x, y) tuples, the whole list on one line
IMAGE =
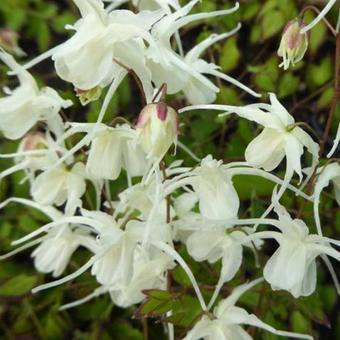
[(154, 307), (158, 294), (125, 331), (272, 22), (288, 85), (326, 98), (321, 73), (230, 55), (300, 323), (18, 285)]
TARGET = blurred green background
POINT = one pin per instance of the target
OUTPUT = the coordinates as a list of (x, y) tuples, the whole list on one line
[(250, 56)]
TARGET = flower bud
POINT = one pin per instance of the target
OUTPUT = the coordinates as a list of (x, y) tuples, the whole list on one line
[(88, 96), (33, 141), (158, 127), (293, 44), (9, 41)]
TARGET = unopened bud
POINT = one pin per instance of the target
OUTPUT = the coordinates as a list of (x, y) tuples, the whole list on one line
[(158, 128), (33, 141), (293, 44), (9, 41), (88, 96)]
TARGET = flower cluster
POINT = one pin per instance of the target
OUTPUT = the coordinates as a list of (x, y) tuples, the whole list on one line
[(133, 238)]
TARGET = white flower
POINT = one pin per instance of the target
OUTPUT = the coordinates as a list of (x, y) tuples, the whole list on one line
[(108, 34), (55, 251), (218, 199), (113, 149), (36, 151), (167, 67), (60, 185), (158, 128), (292, 267), (225, 324), (27, 104), (146, 273), (198, 92), (281, 137)]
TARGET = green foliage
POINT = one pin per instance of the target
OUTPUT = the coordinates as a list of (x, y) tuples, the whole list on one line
[(251, 57)]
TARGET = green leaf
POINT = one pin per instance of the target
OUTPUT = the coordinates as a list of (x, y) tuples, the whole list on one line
[(288, 85), (321, 73), (230, 55), (326, 98), (18, 285), (300, 323), (158, 294), (125, 331), (272, 22)]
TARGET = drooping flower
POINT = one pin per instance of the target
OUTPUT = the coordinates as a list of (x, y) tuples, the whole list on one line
[(27, 104), (294, 44), (109, 34), (55, 250), (60, 185), (281, 137), (174, 70), (225, 324), (292, 267), (218, 199), (198, 92)]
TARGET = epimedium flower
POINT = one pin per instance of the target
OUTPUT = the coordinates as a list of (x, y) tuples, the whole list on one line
[(165, 64), (198, 92), (27, 104), (292, 267), (60, 185), (281, 137), (294, 44), (56, 249), (111, 150), (96, 30), (217, 196), (158, 129), (227, 319), (36, 151)]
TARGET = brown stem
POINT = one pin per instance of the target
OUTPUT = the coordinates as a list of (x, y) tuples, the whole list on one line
[(145, 329), (163, 90), (258, 310), (135, 77)]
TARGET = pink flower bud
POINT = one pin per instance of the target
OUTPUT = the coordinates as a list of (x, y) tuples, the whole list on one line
[(158, 128), (293, 44), (9, 41), (33, 141)]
